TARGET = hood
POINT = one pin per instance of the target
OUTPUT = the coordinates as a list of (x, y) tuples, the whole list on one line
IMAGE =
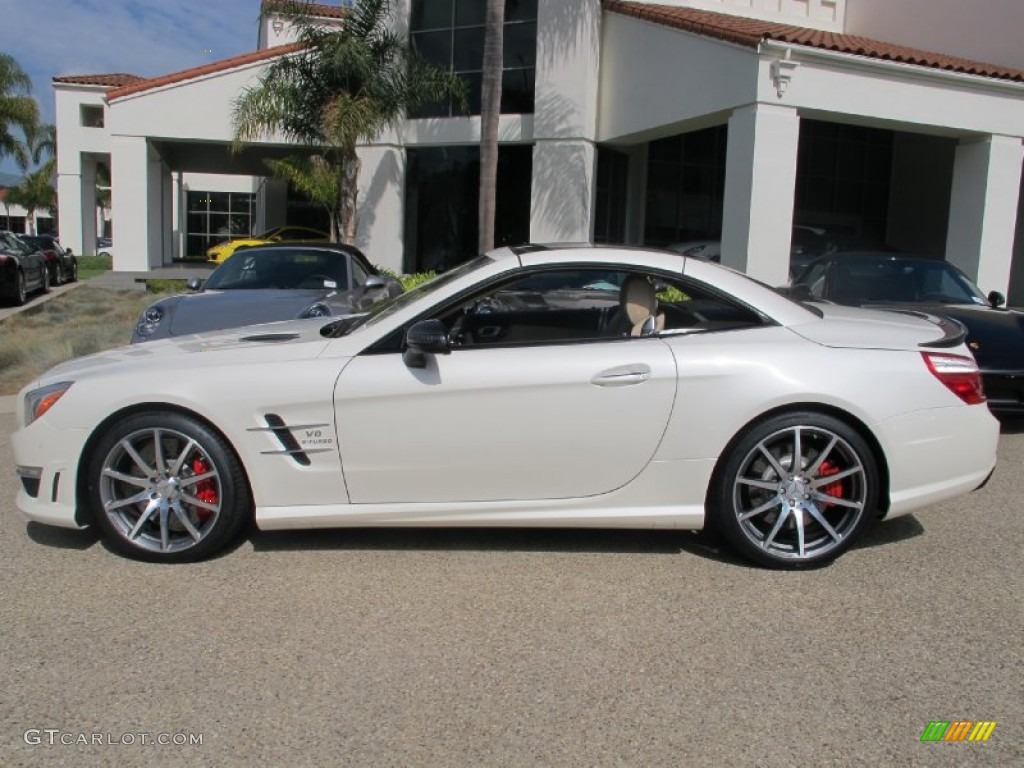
[(283, 342), (995, 336), (213, 310), (853, 327)]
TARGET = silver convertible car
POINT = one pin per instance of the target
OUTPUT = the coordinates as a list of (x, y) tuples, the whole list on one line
[(532, 386), (264, 283)]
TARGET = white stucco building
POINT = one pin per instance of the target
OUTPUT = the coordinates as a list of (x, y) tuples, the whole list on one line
[(894, 122)]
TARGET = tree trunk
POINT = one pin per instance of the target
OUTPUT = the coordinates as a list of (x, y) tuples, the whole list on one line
[(348, 218), (490, 112)]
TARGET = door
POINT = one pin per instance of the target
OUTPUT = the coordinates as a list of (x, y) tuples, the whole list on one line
[(536, 401)]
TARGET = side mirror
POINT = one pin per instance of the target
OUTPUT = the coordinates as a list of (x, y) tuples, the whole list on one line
[(69, 252), (374, 283), (195, 284), (427, 337), (649, 326), (996, 299)]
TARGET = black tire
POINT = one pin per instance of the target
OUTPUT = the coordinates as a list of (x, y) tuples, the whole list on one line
[(20, 290), (785, 519), (73, 275), (59, 277), (45, 277), (164, 514)]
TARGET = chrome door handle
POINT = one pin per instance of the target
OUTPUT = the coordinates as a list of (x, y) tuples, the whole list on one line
[(622, 375)]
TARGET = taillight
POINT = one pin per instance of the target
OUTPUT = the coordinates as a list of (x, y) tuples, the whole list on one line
[(960, 375)]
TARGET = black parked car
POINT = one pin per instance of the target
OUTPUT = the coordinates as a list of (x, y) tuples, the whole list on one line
[(22, 269), (264, 283), (61, 262), (896, 281)]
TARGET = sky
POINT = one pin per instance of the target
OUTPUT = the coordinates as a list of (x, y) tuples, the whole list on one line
[(49, 38)]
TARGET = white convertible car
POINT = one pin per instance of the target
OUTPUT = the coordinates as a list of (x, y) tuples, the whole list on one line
[(533, 386)]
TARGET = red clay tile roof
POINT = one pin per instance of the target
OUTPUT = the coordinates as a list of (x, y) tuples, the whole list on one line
[(751, 32), (206, 69), (115, 80), (317, 9)]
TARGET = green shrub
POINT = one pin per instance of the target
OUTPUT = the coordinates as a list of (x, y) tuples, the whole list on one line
[(411, 281)]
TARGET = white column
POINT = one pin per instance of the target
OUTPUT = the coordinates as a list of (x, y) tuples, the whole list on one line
[(760, 180), (380, 205), (136, 176), (69, 213), (983, 209), (562, 200)]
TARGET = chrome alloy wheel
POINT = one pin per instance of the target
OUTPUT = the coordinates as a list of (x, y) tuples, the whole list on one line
[(160, 490), (800, 493)]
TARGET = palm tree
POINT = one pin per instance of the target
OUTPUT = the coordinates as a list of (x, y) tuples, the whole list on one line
[(34, 193), (344, 85), (17, 107), (490, 113)]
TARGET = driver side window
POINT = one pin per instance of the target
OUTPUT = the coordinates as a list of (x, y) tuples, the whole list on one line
[(588, 304)]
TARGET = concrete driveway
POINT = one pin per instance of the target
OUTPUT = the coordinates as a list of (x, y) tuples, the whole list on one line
[(516, 648)]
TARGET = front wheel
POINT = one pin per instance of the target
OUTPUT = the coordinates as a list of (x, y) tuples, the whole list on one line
[(797, 490), (164, 487)]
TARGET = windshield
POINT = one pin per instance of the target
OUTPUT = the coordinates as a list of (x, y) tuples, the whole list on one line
[(385, 309), (887, 280), (292, 268)]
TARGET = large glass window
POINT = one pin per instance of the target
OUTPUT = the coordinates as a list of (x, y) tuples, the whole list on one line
[(450, 34), (686, 187), (612, 196), (441, 203), (216, 216), (843, 177)]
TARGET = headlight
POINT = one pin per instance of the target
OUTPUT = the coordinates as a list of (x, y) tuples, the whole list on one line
[(316, 310), (150, 319), (39, 401)]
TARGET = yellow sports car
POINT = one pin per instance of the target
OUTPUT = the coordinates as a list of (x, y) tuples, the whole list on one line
[(221, 251)]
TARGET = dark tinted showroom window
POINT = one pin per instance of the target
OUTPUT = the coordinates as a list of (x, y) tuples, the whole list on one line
[(450, 34)]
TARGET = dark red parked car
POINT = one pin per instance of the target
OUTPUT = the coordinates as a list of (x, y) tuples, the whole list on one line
[(61, 262)]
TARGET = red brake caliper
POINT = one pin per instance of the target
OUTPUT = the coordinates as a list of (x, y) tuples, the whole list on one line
[(832, 489), (206, 490)]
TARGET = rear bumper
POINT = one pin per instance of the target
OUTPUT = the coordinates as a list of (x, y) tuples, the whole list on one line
[(937, 454)]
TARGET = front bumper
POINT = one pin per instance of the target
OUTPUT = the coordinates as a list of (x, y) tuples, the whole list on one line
[(49, 457), (1005, 392)]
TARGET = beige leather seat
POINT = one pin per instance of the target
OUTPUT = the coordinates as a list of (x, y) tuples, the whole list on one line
[(637, 302)]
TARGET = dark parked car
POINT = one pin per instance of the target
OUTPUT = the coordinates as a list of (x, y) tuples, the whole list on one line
[(61, 262), (806, 245), (22, 269), (895, 281), (271, 282)]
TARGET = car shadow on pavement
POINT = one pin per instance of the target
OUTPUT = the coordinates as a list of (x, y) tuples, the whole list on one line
[(471, 539), (890, 532), (62, 538)]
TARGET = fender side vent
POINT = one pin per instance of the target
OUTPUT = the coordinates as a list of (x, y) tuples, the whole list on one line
[(287, 439)]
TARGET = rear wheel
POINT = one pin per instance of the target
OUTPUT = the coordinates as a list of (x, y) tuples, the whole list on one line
[(166, 488), (45, 278), (796, 490), (59, 269)]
